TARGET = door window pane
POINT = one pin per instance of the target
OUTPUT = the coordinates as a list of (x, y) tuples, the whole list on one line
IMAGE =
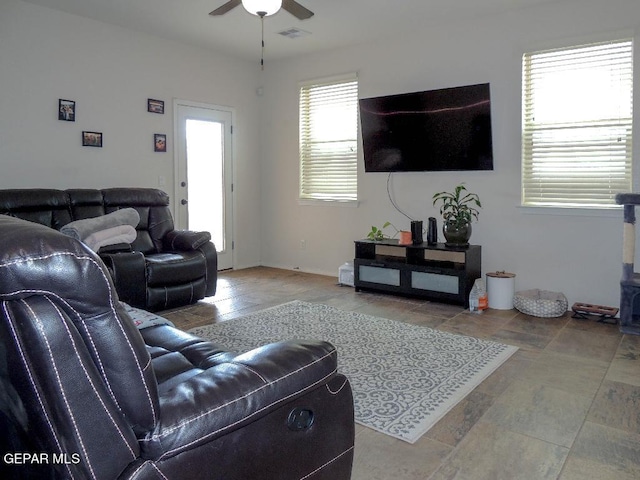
[(205, 179)]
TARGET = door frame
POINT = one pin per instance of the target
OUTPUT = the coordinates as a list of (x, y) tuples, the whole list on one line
[(229, 156)]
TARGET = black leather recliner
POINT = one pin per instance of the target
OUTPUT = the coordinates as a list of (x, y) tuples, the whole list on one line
[(88, 395), (163, 268)]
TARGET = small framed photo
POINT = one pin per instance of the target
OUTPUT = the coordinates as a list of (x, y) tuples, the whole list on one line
[(155, 106), (159, 142), (92, 139), (66, 110)]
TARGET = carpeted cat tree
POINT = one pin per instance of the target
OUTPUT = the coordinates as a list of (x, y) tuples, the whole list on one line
[(630, 283)]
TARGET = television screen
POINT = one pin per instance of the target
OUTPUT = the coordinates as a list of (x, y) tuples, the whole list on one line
[(446, 129)]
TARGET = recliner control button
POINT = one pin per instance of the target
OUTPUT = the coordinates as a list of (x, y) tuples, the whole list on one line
[(300, 419)]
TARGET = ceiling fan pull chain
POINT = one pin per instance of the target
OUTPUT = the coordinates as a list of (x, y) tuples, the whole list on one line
[(262, 54), (263, 8)]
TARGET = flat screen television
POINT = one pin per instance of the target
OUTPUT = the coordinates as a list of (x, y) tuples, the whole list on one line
[(435, 130)]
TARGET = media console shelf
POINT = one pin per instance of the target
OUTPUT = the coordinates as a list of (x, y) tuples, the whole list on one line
[(435, 271)]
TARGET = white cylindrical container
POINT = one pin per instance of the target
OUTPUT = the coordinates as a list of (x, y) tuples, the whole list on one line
[(501, 289)]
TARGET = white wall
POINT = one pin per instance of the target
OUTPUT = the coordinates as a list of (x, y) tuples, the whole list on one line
[(110, 72), (575, 252)]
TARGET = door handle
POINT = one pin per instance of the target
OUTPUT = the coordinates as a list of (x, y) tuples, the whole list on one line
[(183, 201)]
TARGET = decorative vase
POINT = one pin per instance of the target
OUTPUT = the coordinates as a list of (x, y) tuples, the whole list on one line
[(456, 236)]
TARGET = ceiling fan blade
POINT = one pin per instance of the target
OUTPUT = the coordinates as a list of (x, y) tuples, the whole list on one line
[(226, 7), (297, 10)]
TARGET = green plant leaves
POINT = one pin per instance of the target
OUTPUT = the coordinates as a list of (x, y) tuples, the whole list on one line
[(458, 207), (377, 234)]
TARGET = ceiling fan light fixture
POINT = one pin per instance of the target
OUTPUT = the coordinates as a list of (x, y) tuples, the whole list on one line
[(262, 8)]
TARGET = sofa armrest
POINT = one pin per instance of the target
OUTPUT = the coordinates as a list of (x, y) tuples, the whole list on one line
[(116, 248), (235, 393), (128, 272), (185, 240), (211, 257)]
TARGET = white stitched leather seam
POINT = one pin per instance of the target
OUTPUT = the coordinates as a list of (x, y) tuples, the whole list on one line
[(62, 390), (140, 467), (339, 388), (157, 469), (226, 427), (111, 304), (93, 387), (246, 395), (27, 366), (251, 370), (328, 463)]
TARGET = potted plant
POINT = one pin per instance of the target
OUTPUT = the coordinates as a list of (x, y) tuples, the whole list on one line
[(376, 234), (458, 209)]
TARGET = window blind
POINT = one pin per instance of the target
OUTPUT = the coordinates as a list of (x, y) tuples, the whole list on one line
[(577, 125), (328, 139)]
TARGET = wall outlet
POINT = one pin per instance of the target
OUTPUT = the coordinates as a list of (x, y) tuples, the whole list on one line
[(303, 244)]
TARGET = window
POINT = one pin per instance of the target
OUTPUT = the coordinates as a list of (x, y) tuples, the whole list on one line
[(328, 139), (577, 125)]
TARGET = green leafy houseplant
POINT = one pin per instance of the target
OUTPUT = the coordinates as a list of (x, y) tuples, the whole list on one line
[(458, 207), (376, 234), (458, 210)]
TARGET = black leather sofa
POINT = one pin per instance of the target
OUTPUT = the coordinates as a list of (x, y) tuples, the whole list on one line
[(163, 268), (84, 394)]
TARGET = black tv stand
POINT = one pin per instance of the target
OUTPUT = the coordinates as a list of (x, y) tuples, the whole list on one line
[(436, 272)]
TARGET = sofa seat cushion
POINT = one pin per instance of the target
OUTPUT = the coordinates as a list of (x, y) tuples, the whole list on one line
[(200, 353), (177, 355), (174, 268)]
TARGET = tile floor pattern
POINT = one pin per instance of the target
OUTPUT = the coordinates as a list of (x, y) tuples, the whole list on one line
[(566, 406)]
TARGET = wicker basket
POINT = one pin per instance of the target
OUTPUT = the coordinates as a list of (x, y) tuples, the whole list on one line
[(541, 303)]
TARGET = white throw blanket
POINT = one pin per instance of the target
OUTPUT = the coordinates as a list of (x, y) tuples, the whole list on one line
[(110, 229), (110, 236), (81, 229)]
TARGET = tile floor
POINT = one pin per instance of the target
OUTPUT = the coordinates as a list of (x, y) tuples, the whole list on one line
[(566, 406)]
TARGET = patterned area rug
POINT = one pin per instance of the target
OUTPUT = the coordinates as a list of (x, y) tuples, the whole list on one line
[(404, 377)]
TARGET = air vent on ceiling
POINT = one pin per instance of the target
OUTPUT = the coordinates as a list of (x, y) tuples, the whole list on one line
[(294, 32)]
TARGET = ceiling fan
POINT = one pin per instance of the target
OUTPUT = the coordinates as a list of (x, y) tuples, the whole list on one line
[(265, 8)]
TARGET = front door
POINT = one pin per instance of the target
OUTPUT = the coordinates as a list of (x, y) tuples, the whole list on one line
[(203, 190)]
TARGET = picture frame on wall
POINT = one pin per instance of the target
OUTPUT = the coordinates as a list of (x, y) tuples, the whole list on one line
[(155, 106), (159, 142), (92, 139), (66, 110)]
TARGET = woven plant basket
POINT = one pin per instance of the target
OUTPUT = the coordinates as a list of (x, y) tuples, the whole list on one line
[(541, 303)]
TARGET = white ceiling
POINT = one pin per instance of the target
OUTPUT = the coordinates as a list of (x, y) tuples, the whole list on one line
[(336, 23)]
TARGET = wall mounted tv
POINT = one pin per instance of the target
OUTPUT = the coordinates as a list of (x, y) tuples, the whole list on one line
[(446, 129)]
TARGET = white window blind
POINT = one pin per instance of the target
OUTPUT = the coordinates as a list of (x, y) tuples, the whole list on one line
[(328, 139), (577, 125)]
